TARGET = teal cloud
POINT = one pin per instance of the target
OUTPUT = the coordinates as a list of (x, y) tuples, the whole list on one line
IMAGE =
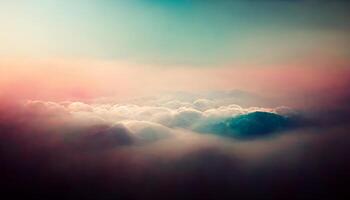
[(248, 126)]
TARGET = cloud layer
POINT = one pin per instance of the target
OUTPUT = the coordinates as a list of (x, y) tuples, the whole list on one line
[(158, 148), (145, 122)]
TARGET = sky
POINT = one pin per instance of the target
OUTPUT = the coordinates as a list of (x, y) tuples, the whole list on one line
[(196, 33), (148, 47), (174, 99)]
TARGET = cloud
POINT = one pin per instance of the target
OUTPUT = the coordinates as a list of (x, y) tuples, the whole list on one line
[(142, 151), (148, 131), (203, 104), (100, 137), (200, 115), (247, 126), (185, 117)]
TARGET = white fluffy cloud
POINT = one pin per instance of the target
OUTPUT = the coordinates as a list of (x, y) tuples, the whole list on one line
[(146, 122)]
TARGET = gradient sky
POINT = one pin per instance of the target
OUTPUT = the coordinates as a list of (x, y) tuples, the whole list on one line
[(91, 49), (199, 33)]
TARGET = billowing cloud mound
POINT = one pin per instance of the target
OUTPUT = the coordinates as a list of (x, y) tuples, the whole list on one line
[(245, 126), (100, 137), (146, 132), (149, 123)]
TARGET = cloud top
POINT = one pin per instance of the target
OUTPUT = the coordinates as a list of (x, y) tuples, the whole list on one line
[(148, 123), (247, 126)]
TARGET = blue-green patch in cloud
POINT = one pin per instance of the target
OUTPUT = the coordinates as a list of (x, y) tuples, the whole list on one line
[(248, 126)]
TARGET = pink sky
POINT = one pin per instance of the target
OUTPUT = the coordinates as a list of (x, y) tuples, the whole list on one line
[(79, 79)]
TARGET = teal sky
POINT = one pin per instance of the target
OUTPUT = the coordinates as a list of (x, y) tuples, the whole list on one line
[(179, 32)]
